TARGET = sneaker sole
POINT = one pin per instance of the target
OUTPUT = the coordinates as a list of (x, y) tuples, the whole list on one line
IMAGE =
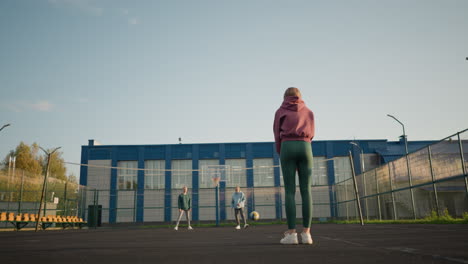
[(289, 243)]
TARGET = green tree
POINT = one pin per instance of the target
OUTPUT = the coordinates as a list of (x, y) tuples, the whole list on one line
[(72, 178), (27, 159)]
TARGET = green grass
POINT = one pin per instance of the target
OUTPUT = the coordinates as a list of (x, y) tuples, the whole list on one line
[(213, 224), (433, 218), (417, 221)]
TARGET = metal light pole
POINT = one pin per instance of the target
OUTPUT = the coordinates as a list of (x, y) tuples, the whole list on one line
[(363, 176), (407, 164), (49, 154), (4, 126)]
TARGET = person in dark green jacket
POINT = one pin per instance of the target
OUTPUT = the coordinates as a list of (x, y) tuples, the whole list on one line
[(185, 205)]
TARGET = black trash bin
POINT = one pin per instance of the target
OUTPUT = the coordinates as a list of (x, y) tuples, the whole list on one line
[(94, 215)]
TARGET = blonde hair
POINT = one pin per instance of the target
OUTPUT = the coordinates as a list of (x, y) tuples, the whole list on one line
[(292, 91)]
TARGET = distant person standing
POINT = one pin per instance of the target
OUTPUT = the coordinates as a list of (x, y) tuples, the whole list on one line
[(185, 205), (294, 129), (238, 203)]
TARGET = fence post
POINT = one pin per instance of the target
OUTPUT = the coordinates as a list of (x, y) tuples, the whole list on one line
[(45, 196), (436, 198), (95, 220), (346, 199), (378, 194), (217, 204), (134, 205), (410, 184), (356, 192), (365, 194), (20, 201), (65, 209), (463, 162), (395, 217)]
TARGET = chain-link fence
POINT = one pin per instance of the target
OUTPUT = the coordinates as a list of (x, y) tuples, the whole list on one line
[(268, 201), (432, 179), (20, 192)]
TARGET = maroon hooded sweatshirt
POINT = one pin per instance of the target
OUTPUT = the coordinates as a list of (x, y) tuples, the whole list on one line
[(293, 122)]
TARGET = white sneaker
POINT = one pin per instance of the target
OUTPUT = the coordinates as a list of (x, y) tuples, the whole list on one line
[(246, 225), (176, 228), (306, 238), (238, 227), (289, 239), (190, 228)]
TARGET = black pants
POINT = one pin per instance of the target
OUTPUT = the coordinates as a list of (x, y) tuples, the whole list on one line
[(241, 211)]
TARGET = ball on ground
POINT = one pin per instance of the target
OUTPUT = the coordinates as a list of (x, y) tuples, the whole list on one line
[(254, 216)]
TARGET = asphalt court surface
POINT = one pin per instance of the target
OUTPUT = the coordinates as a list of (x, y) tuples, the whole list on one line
[(333, 243)]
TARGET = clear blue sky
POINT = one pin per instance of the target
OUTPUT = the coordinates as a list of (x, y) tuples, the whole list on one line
[(149, 72)]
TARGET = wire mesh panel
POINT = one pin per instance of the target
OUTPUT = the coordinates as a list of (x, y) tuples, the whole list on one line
[(464, 144), (320, 202), (402, 204), (420, 167), (452, 197), (370, 183), (263, 173), (207, 204), (425, 200), (383, 179), (104, 201), (342, 211), (399, 173), (89, 198), (350, 210), (446, 159), (126, 206), (370, 208), (350, 192), (238, 173), (154, 205), (265, 202), (385, 206), (340, 192)]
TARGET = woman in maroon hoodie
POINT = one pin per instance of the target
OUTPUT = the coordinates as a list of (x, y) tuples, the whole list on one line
[(294, 129)]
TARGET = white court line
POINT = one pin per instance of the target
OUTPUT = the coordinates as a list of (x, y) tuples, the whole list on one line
[(342, 240)]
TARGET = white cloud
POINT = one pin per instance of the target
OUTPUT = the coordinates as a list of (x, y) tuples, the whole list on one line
[(87, 6), (22, 106), (43, 106)]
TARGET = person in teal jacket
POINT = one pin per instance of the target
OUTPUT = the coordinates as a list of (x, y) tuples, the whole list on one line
[(238, 203), (185, 205)]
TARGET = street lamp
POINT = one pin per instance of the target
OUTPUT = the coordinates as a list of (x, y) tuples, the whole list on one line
[(4, 126), (407, 164), (44, 186), (404, 134)]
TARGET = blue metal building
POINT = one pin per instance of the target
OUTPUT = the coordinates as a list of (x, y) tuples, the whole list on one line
[(100, 176)]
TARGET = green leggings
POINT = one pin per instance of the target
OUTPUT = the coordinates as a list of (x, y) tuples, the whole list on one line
[(297, 155)]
